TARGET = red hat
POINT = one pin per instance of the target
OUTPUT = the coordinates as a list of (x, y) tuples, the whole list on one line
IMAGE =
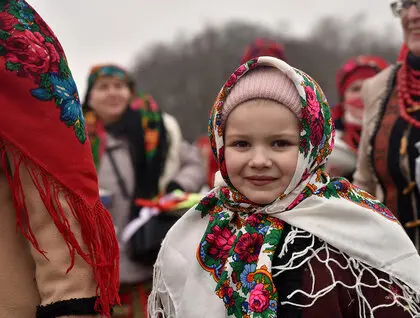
[(263, 47), (360, 67)]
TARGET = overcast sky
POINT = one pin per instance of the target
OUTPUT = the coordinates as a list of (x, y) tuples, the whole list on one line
[(96, 31)]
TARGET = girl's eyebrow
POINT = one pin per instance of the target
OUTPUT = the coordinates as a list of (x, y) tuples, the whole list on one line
[(288, 135), (237, 136), (285, 135)]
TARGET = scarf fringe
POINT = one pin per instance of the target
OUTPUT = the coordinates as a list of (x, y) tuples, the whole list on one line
[(409, 299), (160, 304), (96, 225)]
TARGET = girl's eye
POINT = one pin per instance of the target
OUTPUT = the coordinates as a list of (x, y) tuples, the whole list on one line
[(281, 143), (240, 144)]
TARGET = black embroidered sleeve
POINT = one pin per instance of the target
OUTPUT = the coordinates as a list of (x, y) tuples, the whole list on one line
[(71, 307)]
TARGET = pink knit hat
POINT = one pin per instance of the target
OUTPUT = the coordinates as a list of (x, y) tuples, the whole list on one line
[(263, 83)]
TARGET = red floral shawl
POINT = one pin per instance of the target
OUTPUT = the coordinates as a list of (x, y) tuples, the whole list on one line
[(42, 128)]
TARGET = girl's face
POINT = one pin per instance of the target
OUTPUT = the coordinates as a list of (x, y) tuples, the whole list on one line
[(261, 149), (109, 98)]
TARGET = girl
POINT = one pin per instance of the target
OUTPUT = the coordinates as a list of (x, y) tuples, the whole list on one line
[(277, 237)]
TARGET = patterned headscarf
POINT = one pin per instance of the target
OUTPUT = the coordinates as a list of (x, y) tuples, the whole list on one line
[(108, 70), (263, 47), (42, 129), (241, 237)]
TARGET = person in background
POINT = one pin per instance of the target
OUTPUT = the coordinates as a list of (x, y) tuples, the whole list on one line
[(139, 153), (57, 241), (391, 128), (348, 113)]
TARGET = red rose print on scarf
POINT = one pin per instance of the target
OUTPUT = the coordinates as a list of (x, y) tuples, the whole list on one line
[(221, 241), (317, 130), (312, 103), (206, 200), (249, 246), (232, 80), (259, 299), (311, 114), (7, 22), (222, 165), (226, 192), (226, 293), (304, 144), (298, 200), (32, 51), (254, 219), (241, 70), (46, 31), (306, 174)]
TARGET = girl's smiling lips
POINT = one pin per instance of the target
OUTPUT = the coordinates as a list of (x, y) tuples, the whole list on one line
[(260, 180)]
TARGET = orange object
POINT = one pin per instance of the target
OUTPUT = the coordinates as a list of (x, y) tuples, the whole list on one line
[(163, 206)]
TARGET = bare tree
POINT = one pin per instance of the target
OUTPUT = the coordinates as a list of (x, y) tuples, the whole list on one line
[(185, 76)]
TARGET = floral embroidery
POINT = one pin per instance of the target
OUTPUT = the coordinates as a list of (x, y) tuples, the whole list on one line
[(248, 247), (30, 49), (342, 188), (220, 240), (235, 253)]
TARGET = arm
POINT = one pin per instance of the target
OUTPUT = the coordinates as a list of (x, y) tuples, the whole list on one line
[(61, 292)]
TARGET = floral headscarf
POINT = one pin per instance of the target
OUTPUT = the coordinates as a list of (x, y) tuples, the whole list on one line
[(241, 237), (112, 70), (42, 129)]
